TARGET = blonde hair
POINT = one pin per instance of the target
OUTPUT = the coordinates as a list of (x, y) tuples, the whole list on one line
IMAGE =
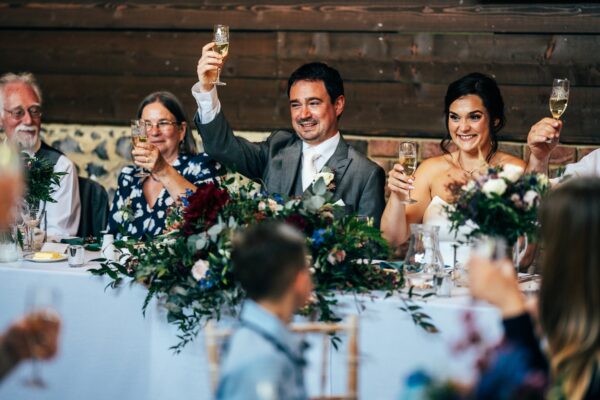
[(570, 296)]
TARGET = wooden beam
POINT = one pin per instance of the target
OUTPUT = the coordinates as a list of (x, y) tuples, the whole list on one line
[(369, 16)]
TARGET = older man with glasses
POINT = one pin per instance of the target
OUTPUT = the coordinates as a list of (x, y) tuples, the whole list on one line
[(21, 120)]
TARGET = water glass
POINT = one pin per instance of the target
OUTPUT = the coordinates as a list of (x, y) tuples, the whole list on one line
[(76, 255)]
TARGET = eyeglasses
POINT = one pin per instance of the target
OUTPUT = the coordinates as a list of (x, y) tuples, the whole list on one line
[(163, 125), (19, 113)]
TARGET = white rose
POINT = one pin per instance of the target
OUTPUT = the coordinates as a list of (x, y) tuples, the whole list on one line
[(530, 198), (200, 269), (327, 177), (497, 186), (511, 172), (261, 206), (469, 186)]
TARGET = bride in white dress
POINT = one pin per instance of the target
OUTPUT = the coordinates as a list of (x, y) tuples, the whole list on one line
[(474, 112)]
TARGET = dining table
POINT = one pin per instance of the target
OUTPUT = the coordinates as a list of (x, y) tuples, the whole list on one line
[(109, 349)]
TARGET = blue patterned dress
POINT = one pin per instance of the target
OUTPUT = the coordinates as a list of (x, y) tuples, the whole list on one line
[(131, 215)]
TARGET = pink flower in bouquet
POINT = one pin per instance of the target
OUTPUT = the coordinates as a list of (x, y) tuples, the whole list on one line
[(336, 256), (273, 206), (262, 206), (204, 207), (516, 199), (200, 269)]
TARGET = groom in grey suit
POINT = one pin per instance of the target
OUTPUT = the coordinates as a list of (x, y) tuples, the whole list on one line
[(286, 162)]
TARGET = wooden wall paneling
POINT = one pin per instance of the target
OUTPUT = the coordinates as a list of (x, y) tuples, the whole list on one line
[(149, 53), (416, 16), (415, 58), (261, 104)]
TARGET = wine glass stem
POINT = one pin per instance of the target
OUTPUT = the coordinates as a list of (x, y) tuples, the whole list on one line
[(218, 74), (28, 243), (35, 370)]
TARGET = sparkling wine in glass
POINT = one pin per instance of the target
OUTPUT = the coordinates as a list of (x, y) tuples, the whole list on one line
[(221, 39), (408, 160), (559, 98), (138, 135)]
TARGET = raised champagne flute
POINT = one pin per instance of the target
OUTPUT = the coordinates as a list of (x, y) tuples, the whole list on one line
[(408, 159), (138, 135), (559, 98), (221, 39)]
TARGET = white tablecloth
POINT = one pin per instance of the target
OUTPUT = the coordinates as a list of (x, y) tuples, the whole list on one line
[(108, 350)]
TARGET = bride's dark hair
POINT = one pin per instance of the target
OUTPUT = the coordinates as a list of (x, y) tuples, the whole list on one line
[(487, 89)]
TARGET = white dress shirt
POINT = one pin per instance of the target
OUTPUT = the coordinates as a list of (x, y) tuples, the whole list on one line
[(324, 149), (63, 216), (208, 103), (587, 166)]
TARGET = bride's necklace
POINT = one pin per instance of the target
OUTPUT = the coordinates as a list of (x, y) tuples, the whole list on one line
[(471, 171)]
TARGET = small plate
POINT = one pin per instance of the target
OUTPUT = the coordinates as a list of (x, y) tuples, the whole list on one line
[(29, 257)]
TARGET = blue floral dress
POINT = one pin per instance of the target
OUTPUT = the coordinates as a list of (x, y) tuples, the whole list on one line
[(130, 213)]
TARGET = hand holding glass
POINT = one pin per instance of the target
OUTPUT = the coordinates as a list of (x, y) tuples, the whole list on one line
[(408, 159), (221, 39), (559, 98), (138, 135)]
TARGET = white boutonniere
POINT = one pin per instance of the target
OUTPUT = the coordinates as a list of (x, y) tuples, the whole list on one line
[(320, 192), (324, 181)]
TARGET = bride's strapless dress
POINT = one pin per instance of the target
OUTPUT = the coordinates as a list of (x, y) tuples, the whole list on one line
[(435, 214)]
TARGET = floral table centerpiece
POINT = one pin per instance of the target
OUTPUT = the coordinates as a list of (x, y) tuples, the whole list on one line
[(41, 182), (188, 267), (503, 202)]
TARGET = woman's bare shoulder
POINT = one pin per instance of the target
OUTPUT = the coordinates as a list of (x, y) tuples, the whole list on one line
[(503, 158), (436, 163)]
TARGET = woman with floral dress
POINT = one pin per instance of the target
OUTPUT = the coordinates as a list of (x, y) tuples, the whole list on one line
[(139, 208)]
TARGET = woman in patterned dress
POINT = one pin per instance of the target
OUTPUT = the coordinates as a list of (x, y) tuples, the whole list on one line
[(140, 205)]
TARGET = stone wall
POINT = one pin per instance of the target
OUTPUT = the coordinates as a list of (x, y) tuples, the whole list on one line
[(101, 151)]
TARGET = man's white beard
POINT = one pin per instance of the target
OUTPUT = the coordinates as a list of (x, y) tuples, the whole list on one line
[(26, 137)]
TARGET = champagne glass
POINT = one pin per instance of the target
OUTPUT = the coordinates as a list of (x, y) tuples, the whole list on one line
[(408, 160), (43, 324), (221, 39), (138, 135), (559, 98), (30, 215)]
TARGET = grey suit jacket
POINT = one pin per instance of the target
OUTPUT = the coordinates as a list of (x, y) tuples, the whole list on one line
[(275, 163)]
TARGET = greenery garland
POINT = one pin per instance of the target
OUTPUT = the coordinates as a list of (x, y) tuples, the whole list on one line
[(188, 267)]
